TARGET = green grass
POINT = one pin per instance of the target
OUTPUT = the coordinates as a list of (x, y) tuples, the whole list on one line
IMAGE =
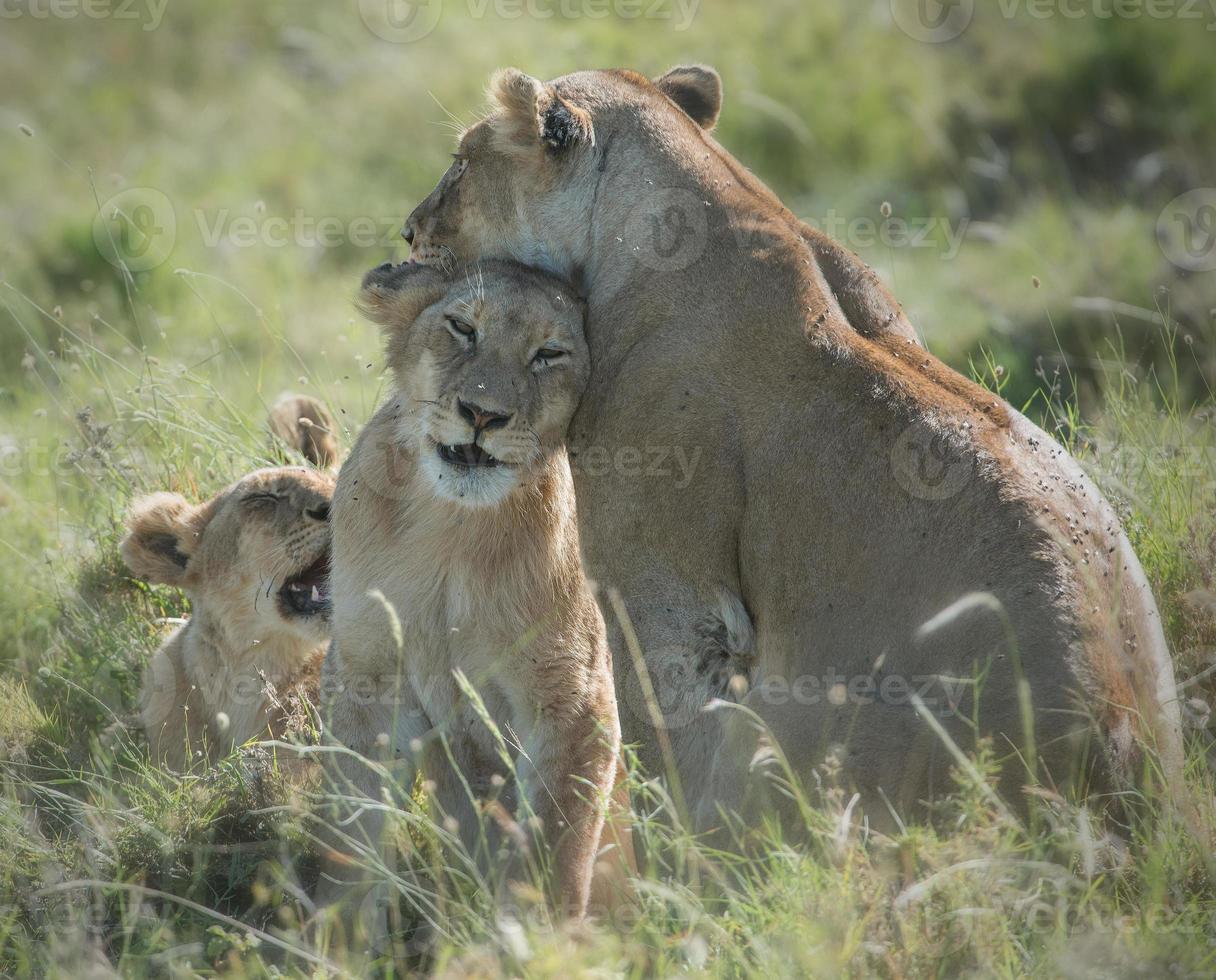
[(1045, 149)]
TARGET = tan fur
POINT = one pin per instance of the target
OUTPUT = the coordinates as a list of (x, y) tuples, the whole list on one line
[(302, 424), (779, 357), (484, 577), (233, 671)]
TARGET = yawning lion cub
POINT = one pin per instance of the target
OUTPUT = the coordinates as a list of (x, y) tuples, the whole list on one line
[(253, 561), (456, 549)]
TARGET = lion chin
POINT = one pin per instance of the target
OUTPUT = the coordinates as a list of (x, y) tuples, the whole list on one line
[(470, 484)]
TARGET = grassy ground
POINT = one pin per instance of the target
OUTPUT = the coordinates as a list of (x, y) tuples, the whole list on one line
[(1039, 156)]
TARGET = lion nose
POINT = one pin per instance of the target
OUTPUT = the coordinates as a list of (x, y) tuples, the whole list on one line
[(481, 419), (408, 232), (318, 513)]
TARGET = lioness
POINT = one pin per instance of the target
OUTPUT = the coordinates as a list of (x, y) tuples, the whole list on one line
[(253, 561), (456, 549), (850, 488)]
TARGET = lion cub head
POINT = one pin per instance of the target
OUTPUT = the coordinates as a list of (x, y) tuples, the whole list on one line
[(257, 555), (491, 361)]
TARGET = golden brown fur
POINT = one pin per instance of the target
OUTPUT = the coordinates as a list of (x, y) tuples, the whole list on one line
[(441, 568), (851, 487), (235, 670), (302, 424)]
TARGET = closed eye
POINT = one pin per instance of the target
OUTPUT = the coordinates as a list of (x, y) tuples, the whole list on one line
[(254, 499), (548, 355), (461, 330)]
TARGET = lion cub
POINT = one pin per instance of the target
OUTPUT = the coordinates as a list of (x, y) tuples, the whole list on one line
[(254, 563), (456, 549)]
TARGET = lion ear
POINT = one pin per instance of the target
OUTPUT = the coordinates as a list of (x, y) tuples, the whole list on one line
[(697, 89), (394, 296), (533, 112), (305, 425), (163, 531)]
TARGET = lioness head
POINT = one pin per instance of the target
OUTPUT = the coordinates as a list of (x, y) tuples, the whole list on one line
[(490, 363), (257, 554), (525, 180)]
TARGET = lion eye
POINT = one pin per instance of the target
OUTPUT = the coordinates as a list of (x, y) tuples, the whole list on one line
[(459, 166), (547, 355), (461, 330), (255, 499)]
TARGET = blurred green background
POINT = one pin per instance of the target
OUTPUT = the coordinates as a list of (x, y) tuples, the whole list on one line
[(190, 193), (250, 161)]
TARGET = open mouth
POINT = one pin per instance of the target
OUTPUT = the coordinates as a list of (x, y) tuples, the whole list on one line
[(307, 593), (469, 454)]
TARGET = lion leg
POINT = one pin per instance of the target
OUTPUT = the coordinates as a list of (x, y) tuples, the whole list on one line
[(694, 650), (773, 733), (574, 766), (368, 738), (615, 860), (173, 713)]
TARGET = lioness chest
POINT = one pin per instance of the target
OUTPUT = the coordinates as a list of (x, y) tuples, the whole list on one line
[(411, 605)]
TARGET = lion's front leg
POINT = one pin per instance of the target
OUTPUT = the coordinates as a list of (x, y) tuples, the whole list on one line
[(574, 766), (371, 726)]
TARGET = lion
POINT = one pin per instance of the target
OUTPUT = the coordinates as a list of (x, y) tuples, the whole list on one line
[(253, 561), (888, 527), (456, 549), (302, 424)]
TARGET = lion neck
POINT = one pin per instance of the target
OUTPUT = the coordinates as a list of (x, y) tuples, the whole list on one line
[(745, 242), (528, 540)]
